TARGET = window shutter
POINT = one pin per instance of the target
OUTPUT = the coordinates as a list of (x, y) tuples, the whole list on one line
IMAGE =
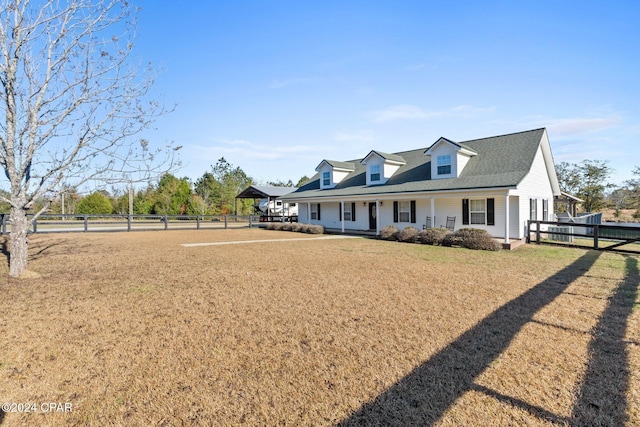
[(413, 211), (318, 211), (353, 211), (339, 211), (395, 211), (465, 211), (491, 215)]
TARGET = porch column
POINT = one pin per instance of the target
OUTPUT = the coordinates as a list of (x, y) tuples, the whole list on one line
[(377, 217), (308, 212), (342, 215), (506, 218), (433, 212)]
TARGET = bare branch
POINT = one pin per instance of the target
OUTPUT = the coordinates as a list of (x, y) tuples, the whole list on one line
[(72, 101)]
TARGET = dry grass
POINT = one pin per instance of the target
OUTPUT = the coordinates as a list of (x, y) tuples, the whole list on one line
[(134, 329)]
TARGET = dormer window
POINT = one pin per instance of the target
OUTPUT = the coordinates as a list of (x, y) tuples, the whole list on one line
[(326, 179), (332, 172), (375, 173), (381, 166), (444, 164), (448, 158)]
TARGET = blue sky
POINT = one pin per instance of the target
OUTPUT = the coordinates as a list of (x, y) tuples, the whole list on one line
[(277, 86)]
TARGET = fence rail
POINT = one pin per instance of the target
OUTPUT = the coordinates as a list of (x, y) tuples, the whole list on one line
[(606, 237), (68, 223)]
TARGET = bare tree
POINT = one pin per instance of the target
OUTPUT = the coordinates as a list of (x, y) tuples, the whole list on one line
[(73, 102)]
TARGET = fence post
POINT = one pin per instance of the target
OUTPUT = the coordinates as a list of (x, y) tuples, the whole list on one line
[(166, 221), (128, 222), (537, 232), (197, 222), (250, 221), (225, 222), (35, 225), (596, 232)]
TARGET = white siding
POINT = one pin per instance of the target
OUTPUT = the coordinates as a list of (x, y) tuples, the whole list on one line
[(461, 162), (339, 176), (389, 170), (535, 185)]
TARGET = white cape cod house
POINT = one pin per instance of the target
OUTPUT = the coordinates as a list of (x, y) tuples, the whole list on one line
[(495, 184)]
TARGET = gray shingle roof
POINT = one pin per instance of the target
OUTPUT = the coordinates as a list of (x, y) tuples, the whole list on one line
[(339, 165), (502, 161), (387, 156)]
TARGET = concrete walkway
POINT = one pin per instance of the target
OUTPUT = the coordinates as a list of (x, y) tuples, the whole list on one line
[(238, 242)]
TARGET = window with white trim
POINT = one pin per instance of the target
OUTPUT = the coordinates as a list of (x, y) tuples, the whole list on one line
[(347, 211), (533, 209), (326, 179), (545, 210), (478, 211), (444, 164), (404, 211), (314, 211), (375, 173)]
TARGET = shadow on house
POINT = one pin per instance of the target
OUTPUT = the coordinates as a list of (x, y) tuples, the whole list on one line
[(424, 395), (602, 400)]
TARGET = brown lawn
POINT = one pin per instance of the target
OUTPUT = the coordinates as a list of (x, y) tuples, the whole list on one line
[(135, 329)]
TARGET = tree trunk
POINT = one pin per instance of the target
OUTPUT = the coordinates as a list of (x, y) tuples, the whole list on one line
[(18, 257)]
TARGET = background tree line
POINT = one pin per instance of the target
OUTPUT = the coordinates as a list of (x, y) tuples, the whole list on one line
[(214, 193), (589, 181)]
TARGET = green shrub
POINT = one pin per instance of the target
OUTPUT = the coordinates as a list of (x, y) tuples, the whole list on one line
[(389, 232), (433, 236), (95, 203), (408, 234), (472, 238)]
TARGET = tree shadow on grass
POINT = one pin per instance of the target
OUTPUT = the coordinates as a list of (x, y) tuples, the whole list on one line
[(601, 399), (424, 395)]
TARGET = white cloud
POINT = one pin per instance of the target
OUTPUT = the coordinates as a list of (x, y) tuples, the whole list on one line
[(413, 112), (570, 127), (579, 126), (252, 150)]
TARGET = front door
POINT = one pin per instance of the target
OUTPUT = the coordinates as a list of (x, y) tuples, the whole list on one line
[(373, 223)]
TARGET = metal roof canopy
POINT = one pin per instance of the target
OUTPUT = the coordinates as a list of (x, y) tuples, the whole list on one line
[(264, 192)]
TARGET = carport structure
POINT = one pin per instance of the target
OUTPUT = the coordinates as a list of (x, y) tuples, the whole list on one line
[(271, 193)]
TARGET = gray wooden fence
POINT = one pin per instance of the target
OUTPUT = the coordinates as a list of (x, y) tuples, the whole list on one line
[(56, 223), (606, 237)]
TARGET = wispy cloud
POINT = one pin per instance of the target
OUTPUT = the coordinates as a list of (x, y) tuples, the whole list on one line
[(579, 126), (413, 112), (279, 84), (253, 150), (354, 136)]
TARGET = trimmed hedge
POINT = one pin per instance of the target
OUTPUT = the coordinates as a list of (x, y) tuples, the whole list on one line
[(433, 236), (408, 234), (472, 238), (389, 232), (295, 226)]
